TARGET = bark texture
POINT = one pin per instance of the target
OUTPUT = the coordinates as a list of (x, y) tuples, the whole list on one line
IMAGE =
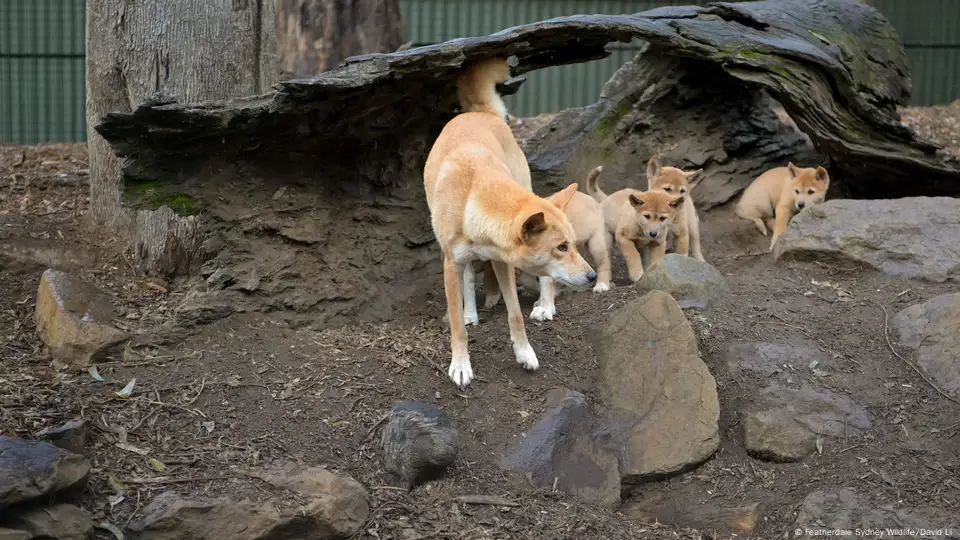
[(139, 52), (316, 35), (315, 190)]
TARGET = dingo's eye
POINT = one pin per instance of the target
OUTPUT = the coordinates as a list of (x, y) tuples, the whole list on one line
[(663, 218), (811, 191), (646, 216), (563, 247), (796, 191), (683, 190), (668, 189)]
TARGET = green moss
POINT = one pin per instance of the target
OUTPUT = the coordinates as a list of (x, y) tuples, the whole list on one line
[(753, 55), (156, 193), (605, 126)]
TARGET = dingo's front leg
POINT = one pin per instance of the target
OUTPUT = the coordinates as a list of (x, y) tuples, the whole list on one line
[(470, 315), (521, 347), (634, 263), (545, 309), (460, 370)]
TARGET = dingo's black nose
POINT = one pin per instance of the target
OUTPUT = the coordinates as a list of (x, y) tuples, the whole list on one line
[(653, 234), (591, 275), (801, 204)]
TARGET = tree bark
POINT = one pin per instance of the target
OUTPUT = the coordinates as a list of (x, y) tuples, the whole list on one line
[(316, 35), (189, 50)]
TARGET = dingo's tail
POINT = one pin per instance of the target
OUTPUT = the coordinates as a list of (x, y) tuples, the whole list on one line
[(593, 185), (477, 87)]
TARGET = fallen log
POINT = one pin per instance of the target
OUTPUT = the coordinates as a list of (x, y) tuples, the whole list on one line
[(312, 194)]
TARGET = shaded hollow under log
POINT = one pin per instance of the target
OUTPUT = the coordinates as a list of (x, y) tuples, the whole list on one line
[(312, 195)]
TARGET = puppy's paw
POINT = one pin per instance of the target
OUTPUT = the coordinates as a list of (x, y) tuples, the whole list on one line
[(461, 372), (543, 313), (471, 319), (601, 287), (526, 357), (491, 301)]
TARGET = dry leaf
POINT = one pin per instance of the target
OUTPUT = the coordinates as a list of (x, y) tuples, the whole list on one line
[(820, 444), (112, 528), (127, 390), (92, 370), (131, 448), (156, 464), (208, 426), (279, 193)]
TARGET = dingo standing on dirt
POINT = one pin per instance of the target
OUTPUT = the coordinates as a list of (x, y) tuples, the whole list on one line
[(674, 181), (780, 194), (477, 184)]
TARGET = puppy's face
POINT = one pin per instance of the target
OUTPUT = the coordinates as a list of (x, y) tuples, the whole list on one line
[(808, 186), (671, 180), (548, 243), (655, 212)]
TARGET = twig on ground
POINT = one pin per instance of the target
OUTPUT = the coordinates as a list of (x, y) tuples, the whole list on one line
[(490, 500), (160, 480), (203, 381), (374, 427)]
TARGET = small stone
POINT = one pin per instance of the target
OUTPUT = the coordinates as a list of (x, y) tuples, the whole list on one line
[(71, 436), (219, 280), (60, 522), (73, 320), (419, 443), (568, 450), (932, 330), (768, 360), (693, 283), (32, 469)]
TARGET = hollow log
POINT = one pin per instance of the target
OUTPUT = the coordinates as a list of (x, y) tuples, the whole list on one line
[(312, 194)]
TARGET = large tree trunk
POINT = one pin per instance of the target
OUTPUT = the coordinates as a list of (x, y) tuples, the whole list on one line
[(316, 35), (188, 50)]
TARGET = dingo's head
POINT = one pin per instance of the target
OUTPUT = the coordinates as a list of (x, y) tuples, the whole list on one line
[(655, 212), (547, 244), (808, 186), (671, 179)]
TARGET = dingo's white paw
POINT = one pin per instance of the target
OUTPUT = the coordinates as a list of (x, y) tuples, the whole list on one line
[(526, 357), (601, 287), (543, 313), (460, 371), (471, 319), (491, 300)]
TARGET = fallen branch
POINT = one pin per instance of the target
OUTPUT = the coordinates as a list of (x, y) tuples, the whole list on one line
[(160, 480), (490, 500)]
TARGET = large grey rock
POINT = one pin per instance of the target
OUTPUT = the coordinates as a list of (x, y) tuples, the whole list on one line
[(932, 330), (693, 283), (568, 449), (13, 534), (73, 320), (916, 237), (419, 443), (59, 521), (784, 423), (662, 406), (30, 470), (843, 509), (71, 436)]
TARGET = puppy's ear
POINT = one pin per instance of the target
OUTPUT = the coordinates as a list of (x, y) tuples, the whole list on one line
[(562, 198), (676, 202), (822, 175), (533, 227), (794, 172), (694, 178), (653, 169), (637, 202)]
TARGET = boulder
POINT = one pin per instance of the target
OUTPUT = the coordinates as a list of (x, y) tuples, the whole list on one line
[(661, 400), (784, 423), (567, 449), (774, 360), (709, 516), (932, 330), (71, 436), (73, 320), (913, 237), (59, 522), (419, 443), (30, 470), (843, 509), (693, 283)]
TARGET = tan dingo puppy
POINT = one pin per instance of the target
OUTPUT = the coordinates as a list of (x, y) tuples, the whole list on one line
[(781, 193), (639, 221), (674, 181), (477, 184)]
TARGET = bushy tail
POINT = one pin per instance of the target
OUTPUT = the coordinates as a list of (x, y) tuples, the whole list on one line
[(477, 87), (593, 184)]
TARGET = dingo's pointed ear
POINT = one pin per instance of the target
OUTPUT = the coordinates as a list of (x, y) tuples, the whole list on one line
[(653, 168), (822, 175), (794, 172), (676, 202), (694, 177), (532, 227), (562, 198), (637, 202)]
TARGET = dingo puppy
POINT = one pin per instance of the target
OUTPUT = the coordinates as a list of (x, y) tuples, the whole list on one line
[(639, 220), (677, 182), (477, 184), (782, 193)]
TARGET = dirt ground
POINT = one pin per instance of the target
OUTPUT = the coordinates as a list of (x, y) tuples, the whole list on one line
[(249, 390)]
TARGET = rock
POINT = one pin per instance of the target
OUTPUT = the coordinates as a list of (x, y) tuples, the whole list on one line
[(843, 509), (932, 330), (707, 516), (71, 436), (31, 469), (770, 360), (73, 320), (10, 534), (419, 443), (661, 399), (784, 423), (60, 522), (567, 449), (693, 283), (911, 237)]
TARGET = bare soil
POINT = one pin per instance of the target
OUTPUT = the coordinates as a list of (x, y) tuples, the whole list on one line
[(251, 389)]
